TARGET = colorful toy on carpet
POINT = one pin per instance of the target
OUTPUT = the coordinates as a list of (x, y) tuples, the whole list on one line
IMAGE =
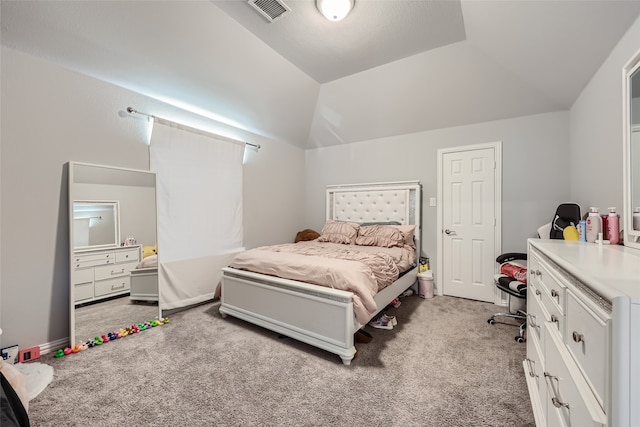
[(111, 336)]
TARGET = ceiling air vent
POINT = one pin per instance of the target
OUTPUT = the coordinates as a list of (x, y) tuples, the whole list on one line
[(270, 9)]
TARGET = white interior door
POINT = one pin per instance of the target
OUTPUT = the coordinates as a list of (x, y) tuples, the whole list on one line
[(469, 220)]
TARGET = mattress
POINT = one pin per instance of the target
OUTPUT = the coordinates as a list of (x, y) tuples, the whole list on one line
[(362, 270)]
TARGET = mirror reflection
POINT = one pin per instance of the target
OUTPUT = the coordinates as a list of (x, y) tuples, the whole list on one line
[(95, 225), (113, 266), (634, 149)]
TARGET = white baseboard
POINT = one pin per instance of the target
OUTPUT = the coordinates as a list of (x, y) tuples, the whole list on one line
[(54, 345)]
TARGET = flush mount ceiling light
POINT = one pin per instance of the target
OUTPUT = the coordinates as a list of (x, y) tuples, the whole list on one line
[(334, 10)]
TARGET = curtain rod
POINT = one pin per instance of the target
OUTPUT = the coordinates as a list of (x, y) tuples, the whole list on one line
[(132, 110)]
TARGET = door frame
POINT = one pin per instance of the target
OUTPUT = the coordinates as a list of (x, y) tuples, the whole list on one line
[(497, 229)]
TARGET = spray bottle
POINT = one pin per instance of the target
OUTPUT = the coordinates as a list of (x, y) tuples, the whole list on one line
[(613, 224), (594, 225)]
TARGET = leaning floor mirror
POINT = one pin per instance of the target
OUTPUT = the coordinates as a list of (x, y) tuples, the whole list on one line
[(113, 268)]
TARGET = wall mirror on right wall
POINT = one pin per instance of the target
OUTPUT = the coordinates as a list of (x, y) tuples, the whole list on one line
[(631, 134)]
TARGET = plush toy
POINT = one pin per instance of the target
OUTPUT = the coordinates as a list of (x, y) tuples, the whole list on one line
[(306, 235), (149, 250)]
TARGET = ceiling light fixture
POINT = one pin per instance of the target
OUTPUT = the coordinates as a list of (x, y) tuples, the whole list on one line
[(334, 10)]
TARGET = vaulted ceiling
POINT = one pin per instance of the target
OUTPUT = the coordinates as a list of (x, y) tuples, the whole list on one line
[(391, 67)]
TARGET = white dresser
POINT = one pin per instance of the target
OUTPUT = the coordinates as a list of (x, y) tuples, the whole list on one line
[(583, 334), (103, 273)]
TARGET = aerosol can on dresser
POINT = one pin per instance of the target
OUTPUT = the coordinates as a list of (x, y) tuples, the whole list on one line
[(613, 225), (594, 225)]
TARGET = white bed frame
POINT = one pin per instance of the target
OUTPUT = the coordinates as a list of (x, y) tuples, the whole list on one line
[(319, 316)]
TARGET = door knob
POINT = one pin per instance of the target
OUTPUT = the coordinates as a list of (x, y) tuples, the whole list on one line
[(450, 232)]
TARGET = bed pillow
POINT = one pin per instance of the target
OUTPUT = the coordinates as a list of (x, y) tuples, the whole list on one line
[(148, 262), (385, 236), (339, 232), (407, 230)]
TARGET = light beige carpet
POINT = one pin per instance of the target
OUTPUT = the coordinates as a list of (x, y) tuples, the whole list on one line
[(443, 365)]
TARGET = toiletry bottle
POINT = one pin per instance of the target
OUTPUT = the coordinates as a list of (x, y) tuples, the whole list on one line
[(594, 225), (582, 229), (604, 229), (636, 218), (613, 225)]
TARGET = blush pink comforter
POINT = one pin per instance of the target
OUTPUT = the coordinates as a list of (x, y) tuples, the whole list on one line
[(363, 270)]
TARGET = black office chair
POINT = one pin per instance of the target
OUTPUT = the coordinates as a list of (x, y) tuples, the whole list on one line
[(566, 214), (510, 281)]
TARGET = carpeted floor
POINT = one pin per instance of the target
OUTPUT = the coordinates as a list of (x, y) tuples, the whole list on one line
[(443, 365), (110, 315)]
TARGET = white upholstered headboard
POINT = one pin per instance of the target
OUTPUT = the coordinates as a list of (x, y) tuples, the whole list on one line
[(378, 202)]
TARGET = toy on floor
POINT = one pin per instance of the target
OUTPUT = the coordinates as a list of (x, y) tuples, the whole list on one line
[(111, 336)]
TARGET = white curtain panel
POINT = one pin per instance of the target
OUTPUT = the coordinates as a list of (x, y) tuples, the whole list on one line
[(199, 185)]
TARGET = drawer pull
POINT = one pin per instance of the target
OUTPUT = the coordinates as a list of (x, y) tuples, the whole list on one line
[(554, 319), (559, 404), (531, 320), (554, 293), (556, 402), (538, 292), (538, 273), (578, 337), (531, 370), (113, 273), (114, 287)]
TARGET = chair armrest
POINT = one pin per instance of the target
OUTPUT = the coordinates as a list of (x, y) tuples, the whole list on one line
[(510, 256)]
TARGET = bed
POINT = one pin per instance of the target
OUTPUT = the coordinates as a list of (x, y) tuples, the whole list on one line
[(323, 316), (144, 280)]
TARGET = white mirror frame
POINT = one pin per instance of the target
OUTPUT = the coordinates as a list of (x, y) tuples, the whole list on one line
[(631, 236), (72, 175)]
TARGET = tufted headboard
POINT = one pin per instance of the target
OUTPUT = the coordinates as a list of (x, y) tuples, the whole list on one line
[(378, 202)]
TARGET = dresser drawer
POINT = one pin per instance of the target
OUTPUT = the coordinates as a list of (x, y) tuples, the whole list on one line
[(570, 401), (128, 255), (115, 270), (556, 317), (91, 257), (536, 315), (586, 338), (82, 275), (553, 287), (112, 286), (82, 291), (95, 262), (533, 269), (534, 373)]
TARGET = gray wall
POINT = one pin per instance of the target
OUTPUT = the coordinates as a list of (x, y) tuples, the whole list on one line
[(535, 175), (596, 130), (51, 116)]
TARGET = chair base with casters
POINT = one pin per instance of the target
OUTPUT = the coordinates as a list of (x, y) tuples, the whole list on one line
[(518, 314), (508, 284)]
